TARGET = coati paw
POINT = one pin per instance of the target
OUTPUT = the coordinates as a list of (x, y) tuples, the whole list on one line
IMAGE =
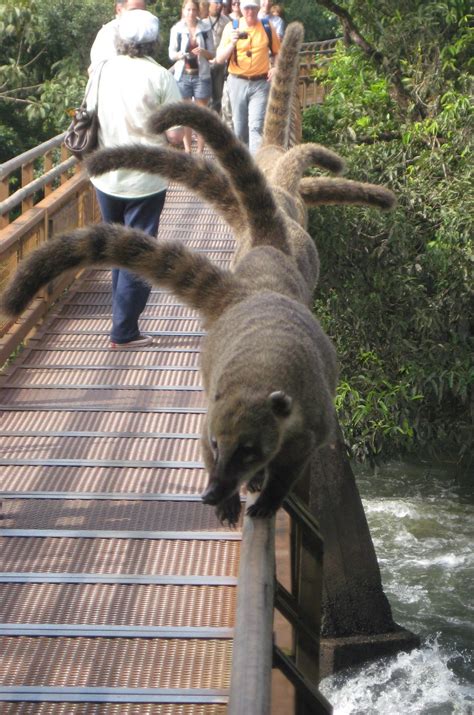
[(262, 509), (256, 483), (229, 510)]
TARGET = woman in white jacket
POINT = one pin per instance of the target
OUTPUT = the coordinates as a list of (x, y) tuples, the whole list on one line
[(191, 47)]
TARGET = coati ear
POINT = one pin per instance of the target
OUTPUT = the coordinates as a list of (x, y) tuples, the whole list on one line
[(281, 403)]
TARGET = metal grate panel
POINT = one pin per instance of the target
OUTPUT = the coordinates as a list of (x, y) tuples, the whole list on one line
[(123, 422), (112, 516), (115, 662), (117, 605), (102, 479), (111, 709), (112, 556)]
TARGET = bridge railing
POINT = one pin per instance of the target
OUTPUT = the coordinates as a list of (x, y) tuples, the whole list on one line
[(54, 195), (313, 56)]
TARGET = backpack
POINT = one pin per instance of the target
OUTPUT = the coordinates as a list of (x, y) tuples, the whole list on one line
[(266, 26)]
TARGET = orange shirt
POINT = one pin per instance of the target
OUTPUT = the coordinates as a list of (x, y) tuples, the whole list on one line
[(253, 56)]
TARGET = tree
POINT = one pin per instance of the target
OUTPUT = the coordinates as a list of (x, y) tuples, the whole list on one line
[(44, 54), (395, 290)]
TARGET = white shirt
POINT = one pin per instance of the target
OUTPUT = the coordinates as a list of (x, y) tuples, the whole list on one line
[(131, 89), (103, 47)]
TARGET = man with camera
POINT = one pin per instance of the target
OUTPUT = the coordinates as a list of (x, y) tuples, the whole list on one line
[(248, 45)]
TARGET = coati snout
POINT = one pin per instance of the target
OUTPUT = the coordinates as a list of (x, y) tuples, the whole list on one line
[(242, 442)]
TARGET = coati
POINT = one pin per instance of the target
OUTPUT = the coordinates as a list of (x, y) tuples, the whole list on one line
[(268, 369)]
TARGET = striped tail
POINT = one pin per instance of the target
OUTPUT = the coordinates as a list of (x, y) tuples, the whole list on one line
[(279, 112), (265, 220), (198, 174), (191, 276), (291, 166), (316, 191)]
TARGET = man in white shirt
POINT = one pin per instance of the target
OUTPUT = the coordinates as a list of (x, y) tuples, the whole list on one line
[(103, 47)]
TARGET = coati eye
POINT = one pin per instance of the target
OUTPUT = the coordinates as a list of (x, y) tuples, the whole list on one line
[(249, 452), (213, 442)]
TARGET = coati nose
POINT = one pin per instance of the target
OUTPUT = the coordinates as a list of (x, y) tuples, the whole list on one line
[(214, 493), (209, 496)]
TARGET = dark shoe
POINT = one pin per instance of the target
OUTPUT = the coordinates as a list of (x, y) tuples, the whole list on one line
[(141, 342)]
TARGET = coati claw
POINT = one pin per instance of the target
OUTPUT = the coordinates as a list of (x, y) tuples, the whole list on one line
[(229, 510), (256, 483), (261, 510)]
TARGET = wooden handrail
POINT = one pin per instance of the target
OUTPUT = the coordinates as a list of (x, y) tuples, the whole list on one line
[(27, 157), (54, 165), (251, 678), (30, 189)]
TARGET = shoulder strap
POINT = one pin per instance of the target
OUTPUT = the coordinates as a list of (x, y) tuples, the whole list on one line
[(266, 26)]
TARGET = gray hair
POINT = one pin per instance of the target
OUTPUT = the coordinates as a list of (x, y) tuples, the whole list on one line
[(135, 49)]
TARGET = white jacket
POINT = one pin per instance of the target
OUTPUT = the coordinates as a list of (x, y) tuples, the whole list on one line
[(179, 39), (130, 90)]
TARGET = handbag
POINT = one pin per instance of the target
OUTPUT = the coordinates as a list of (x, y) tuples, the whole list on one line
[(81, 136)]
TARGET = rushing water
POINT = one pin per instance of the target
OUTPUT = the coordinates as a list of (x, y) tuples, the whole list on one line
[(421, 520)]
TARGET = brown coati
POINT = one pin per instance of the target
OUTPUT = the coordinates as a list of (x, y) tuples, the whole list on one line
[(268, 369)]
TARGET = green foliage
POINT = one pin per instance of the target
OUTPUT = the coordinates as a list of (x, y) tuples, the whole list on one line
[(396, 289), (318, 23), (44, 54)]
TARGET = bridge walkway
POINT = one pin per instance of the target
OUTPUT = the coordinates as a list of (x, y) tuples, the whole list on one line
[(118, 587)]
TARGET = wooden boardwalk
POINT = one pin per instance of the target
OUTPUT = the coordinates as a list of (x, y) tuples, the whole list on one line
[(118, 586)]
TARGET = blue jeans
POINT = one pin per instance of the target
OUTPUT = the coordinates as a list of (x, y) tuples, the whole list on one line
[(129, 292), (191, 85), (248, 100)]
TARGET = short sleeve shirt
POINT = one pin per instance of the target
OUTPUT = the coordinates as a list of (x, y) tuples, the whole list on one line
[(252, 54)]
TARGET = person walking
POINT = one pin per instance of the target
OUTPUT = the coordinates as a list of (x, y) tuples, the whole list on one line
[(217, 23), (191, 47), (266, 13), (103, 46), (248, 48), (235, 14), (131, 87)]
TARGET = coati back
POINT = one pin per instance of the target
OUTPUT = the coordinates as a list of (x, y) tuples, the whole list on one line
[(268, 369)]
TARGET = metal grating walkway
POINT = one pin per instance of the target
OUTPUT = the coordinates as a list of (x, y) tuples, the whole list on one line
[(117, 585)]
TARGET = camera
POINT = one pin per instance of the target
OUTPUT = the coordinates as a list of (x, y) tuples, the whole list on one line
[(243, 35)]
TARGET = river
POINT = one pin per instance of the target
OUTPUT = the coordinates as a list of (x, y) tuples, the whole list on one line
[(421, 520)]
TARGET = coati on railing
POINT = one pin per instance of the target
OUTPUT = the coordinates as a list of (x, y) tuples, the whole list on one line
[(268, 369)]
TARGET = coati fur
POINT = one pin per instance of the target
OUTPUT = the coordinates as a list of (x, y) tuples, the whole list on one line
[(268, 369)]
